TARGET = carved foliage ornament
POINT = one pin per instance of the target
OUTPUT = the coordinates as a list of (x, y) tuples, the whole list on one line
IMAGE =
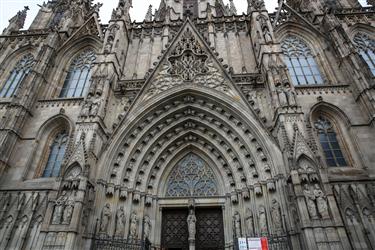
[(188, 62), (191, 177)]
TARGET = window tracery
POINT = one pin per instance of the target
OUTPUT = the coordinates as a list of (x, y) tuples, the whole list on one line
[(330, 143), (56, 155), (17, 75), (300, 61), (191, 177), (77, 81), (366, 48)]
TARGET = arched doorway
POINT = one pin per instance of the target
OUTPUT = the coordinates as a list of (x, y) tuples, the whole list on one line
[(196, 226)]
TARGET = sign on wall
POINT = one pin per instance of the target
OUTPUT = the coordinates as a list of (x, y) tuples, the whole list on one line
[(253, 243)]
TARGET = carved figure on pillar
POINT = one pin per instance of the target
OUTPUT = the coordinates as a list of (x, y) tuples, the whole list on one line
[(133, 232), (276, 216), (95, 107), (321, 202), (59, 208), (68, 212), (263, 227), (192, 220), (237, 224), (147, 227), (105, 218), (250, 222), (86, 109), (120, 222), (310, 202)]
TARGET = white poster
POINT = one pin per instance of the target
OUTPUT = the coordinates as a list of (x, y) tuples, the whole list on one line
[(242, 244)]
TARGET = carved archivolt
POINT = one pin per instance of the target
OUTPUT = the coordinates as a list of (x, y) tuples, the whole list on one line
[(189, 120)]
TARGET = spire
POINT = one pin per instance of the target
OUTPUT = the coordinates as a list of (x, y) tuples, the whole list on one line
[(122, 10), (232, 8), (255, 5), (17, 22), (148, 17)]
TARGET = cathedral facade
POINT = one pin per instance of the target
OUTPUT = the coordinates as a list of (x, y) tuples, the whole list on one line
[(190, 129)]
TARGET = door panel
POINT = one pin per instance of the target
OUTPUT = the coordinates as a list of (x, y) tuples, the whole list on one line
[(210, 229), (174, 229)]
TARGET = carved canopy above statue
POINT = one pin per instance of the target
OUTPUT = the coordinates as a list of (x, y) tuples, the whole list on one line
[(191, 177)]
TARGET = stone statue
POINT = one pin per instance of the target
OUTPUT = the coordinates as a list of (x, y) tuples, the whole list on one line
[(120, 222), (68, 212), (95, 107), (133, 226), (237, 224), (191, 221), (59, 208), (310, 202), (263, 227), (250, 222), (321, 202), (276, 216), (105, 219), (291, 95), (267, 35), (86, 109), (147, 227)]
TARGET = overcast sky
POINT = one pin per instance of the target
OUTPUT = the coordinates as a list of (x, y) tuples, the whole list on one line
[(8, 8)]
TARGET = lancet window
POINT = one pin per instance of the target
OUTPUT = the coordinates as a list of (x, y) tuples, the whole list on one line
[(192, 177), (56, 155), (366, 48), (300, 61), (330, 143), (17, 75), (77, 81)]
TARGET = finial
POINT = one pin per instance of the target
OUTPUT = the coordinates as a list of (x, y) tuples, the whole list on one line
[(148, 17)]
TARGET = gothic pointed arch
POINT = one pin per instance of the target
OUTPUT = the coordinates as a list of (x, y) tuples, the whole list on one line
[(191, 177)]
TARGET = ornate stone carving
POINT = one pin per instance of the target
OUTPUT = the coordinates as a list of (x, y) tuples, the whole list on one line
[(191, 177), (191, 221), (59, 208), (188, 62), (68, 212), (120, 222), (133, 231), (147, 227), (16, 23), (237, 224), (310, 201), (105, 219), (276, 216), (321, 201), (250, 222), (263, 227)]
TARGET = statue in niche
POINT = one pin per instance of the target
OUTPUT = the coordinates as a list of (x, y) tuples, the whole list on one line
[(267, 35), (237, 224), (191, 221), (120, 222), (250, 222), (95, 107), (147, 227), (86, 109), (276, 216), (59, 208), (310, 202), (68, 212), (263, 221), (105, 218), (133, 226), (321, 202)]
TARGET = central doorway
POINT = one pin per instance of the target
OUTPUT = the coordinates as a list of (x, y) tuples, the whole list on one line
[(209, 226)]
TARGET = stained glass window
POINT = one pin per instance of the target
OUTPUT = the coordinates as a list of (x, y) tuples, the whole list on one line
[(300, 61), (366, 48), (56, 155), (330, 144), (77, 81), (19, 72), (192, 177)]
